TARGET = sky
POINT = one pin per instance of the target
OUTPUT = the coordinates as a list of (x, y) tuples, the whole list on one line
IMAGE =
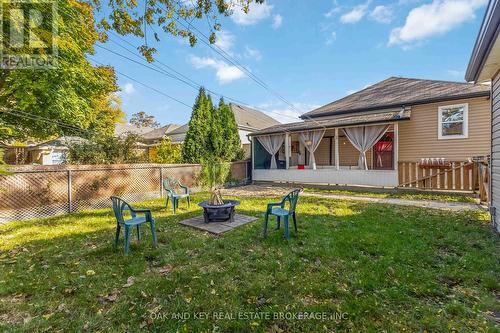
[(308, 53)]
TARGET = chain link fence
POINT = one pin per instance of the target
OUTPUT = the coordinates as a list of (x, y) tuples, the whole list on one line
[(43, 191)]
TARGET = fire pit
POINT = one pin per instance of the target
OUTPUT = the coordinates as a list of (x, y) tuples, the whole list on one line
[(219, 213)]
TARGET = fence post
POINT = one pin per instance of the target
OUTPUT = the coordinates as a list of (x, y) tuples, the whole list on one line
[(161, 180), (70, 196)]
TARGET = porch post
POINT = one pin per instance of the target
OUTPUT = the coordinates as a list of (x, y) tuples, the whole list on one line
[(337, 159), (396, 145), (252, 142), (287, 150)]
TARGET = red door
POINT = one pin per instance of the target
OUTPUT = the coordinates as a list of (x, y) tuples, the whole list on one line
[(383, 153)]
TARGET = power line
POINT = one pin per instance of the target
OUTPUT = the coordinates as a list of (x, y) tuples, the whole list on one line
[(234, 62), (187, 81), (144, 84), (19, 113)]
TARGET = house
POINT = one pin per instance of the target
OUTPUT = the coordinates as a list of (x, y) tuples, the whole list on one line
[(122, 130), (247, 120), (398, 132), (53, 151), (484, 66), (156, 135)]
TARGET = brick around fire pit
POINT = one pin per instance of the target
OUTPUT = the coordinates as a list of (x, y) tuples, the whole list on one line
[(218, 228)]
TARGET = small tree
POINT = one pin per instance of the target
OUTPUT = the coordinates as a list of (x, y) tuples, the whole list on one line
[(142, 119), (214, 173), (168, 153), (3, 166), (107, 150)]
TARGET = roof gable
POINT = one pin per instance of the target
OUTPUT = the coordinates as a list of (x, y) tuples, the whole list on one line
[(250, 118), (159, 133), (397, 91)]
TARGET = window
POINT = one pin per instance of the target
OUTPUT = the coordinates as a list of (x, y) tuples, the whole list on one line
[(453, 121)]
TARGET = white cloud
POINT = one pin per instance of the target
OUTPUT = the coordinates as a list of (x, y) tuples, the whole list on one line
[(128, 89), (331, 38), (224, 72), (456, 73), (257, 12), (355, 15), (285, 113), (332, 12), (277, 21), (225, 40), (382, 14), (253, 54), (352, 91), (435, 18)]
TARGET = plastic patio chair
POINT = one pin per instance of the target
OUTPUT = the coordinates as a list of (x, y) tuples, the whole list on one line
[(278, 209), (119, 206), (170, 185)]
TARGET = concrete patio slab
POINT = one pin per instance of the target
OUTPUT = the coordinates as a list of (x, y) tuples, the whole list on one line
[(218, 228)]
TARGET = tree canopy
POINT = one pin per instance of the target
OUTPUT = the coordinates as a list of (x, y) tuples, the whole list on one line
[(213, 132), (195, 146), (174, 17), (167, 152), (75, 98), (142, 119)]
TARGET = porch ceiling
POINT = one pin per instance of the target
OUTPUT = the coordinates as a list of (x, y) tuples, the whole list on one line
[(365, 119)]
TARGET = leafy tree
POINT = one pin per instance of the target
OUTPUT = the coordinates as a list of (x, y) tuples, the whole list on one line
[(142, 119), (224, 134), (168, 153), (3, 166), (173, 16), (106, 150), (196, 143), (75, 96)]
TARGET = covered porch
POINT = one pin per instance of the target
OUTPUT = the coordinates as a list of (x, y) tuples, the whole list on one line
[(355, 150)]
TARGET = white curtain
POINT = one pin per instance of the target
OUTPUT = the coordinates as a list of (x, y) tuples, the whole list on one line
[(363, 138), (311, 141), (272, 144)]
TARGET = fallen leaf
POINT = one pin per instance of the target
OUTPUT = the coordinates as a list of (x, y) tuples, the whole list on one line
[(90, 272), (130, 282), (165, 269)]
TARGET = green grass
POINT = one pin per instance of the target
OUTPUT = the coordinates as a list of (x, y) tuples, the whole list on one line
[(413, 195), (387, 267)]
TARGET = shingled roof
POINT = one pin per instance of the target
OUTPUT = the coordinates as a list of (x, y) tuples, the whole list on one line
[(159, 133), (246, 119), (397, 92), (360, 119)]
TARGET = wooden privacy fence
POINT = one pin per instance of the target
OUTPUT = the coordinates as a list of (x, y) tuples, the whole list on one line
[(459, 176), (42, 191)]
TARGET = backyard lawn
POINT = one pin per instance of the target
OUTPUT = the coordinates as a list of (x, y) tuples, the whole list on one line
[(371, 267), (399, 194)]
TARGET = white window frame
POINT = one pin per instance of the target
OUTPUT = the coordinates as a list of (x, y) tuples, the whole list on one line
[(465, 127)]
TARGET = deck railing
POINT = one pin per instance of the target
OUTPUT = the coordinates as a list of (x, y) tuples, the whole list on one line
[(456, 175)]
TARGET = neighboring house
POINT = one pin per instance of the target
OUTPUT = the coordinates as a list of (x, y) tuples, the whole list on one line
[(403, 126), (122, 130), (155, 136), (53, 151), (247, 120), (484, 66)]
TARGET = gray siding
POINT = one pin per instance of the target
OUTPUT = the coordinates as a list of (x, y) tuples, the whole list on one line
[(495, 149)]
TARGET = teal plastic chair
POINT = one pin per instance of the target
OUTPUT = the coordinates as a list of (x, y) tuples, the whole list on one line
[(119, 207), (175, 191), (278, 209)]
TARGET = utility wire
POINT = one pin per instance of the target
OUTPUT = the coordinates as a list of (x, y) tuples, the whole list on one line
[(186, 80)]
